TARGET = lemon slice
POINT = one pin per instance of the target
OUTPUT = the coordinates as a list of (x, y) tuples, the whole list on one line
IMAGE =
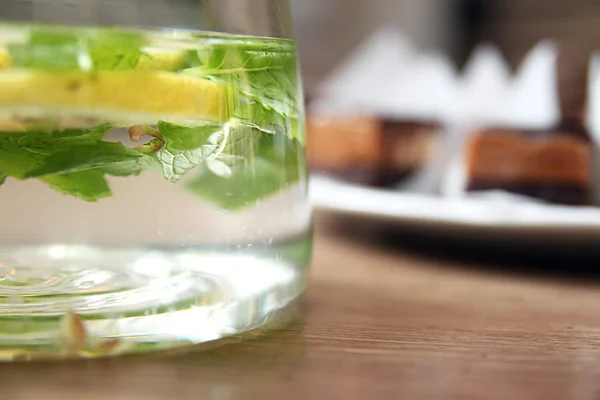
[(5, 60), (117, 97)]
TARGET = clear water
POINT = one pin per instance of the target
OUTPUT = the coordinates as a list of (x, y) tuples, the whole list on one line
[(153, 188)]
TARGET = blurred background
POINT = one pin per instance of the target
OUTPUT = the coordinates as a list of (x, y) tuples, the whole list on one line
[(328, 30), (496, 101)]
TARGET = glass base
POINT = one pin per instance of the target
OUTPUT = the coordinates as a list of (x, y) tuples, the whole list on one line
[(83, 302)]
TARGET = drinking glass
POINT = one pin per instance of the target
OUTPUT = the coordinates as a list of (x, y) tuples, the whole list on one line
[(153, 175)]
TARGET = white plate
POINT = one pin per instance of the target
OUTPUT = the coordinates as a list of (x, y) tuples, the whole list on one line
[(492, 215)]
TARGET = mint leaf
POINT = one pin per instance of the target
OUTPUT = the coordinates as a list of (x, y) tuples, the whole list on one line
[(272, 81), (203, 143), (177, 163), (242, 145), (113, 50), (270, 121), (179, 137), (87, 185), (72, 162), (265, 120), (278, 164), (91, 134), (112, 158), (50, 49), (19, 153), (44, 143), (265, 74), (62, 49)]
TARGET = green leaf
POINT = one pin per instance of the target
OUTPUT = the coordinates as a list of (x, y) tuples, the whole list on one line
[(179, 137), (19, 153), (177, 163), (114, 50), (235, 149), (270, 121), (111, 158), (72, 162), (44, 143), (50, 49), (63, 49), (87, 185), (91, 134), (185, 147), (278, 164), (265, 120), (264, 73), (242, 143), (272, 81)]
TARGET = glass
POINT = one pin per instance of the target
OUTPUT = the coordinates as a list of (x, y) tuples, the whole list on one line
[(153, 175)]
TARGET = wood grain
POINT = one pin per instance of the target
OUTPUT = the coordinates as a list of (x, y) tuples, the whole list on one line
[(377, 322)]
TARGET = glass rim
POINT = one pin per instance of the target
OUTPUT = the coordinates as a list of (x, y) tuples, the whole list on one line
[(259, 18)]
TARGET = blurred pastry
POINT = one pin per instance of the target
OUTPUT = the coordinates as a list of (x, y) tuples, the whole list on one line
[(550, 165), (554, 164), (369, 150)]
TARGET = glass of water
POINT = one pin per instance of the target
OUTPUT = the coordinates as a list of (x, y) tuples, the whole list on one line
[(153, 181)]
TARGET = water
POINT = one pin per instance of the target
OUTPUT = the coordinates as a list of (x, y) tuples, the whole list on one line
[(153, 188)]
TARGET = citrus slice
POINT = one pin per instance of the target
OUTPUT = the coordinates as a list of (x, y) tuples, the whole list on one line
[(5, 60), (117, 97)]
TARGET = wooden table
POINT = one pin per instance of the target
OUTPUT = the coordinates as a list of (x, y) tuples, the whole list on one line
[(377, 322)]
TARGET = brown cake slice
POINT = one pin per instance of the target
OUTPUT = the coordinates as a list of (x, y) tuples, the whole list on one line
[(554, 166), (369, 150)]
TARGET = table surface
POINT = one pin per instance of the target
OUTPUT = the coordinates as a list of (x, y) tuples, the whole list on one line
[(377, 322)]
